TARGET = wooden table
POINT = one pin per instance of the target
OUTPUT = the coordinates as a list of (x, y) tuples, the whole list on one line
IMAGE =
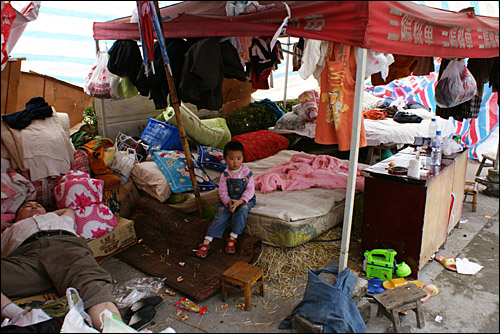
[(410, 215)]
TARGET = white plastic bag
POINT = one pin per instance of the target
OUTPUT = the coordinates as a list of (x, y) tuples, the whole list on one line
[(98, 82), (28, 318), (455, 86), (76, 320), (111, 324), (450, 146)]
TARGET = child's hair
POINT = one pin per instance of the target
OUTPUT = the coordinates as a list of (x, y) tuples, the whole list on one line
[(234, 146)]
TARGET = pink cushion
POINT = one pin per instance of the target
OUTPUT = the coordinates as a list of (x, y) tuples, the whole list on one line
[(261, 144), (83, 194)]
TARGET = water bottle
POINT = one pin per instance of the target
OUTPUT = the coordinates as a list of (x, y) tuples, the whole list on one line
[(437, 144), (432, 127)]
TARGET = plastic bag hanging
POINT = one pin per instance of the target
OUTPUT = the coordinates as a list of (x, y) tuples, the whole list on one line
[(456, 85)]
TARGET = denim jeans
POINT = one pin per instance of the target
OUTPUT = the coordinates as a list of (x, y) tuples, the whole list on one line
[(238, 219)]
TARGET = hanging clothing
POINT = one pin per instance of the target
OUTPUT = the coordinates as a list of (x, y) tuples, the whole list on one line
[(262, 62), (206, 64), (313, 58), (298, 51), (201, 79), (125, 60), (334, 123), (36, 108)]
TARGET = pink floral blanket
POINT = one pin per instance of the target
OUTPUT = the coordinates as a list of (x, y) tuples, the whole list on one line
[(83, 194), (305, 171)]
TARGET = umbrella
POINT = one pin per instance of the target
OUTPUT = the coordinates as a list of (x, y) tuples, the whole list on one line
[(146, 29)]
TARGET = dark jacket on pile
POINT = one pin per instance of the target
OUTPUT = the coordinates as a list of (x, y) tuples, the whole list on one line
[(36, 108)]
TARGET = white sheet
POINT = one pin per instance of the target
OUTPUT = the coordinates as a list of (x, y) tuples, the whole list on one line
[(387, 130)]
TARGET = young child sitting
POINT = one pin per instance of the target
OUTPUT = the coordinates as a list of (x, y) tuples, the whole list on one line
[(237, 198)]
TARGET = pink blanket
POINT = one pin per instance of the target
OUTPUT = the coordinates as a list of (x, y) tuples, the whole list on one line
[(305, 171), (83, 194)]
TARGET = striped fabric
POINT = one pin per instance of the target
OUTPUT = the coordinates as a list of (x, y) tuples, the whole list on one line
[(474, 131)]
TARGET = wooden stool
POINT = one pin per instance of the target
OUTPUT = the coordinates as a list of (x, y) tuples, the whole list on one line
[(471, 189), (403, 298), (484, 163), (243, 275)]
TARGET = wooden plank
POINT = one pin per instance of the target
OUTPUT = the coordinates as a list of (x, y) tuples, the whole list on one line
[(459, 175), (436, 213), (11, 82)]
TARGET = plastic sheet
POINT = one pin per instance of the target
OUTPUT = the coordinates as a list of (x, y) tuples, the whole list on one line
[(131, 291)]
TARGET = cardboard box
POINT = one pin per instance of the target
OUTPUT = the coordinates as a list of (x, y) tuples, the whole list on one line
[(122, 237), (129, 196)]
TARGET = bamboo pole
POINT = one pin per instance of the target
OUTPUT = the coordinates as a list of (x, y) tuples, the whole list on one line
[(178, 117)]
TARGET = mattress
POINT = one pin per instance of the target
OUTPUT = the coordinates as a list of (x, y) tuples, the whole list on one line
[(387, 130), (284, 218)]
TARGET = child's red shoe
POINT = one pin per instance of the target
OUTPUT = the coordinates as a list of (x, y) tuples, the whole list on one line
[(230, 245), (203, 250)]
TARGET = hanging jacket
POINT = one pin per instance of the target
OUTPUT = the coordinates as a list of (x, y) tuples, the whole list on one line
[(125, 60)]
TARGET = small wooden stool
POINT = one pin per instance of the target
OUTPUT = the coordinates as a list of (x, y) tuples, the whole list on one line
[(403, 298), (243, 275), (471, 189)]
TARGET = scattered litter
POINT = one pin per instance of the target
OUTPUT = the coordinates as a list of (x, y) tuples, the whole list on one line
[(438, 318), (170, 293), (487, 216), (184, 317), (241, 306), (131, 291), (187, 221), (188, 305), (114, 281), (464, 266), (178, 312), (182, 264), (224, 306), (140, 240), (180, 279), (463, 221)]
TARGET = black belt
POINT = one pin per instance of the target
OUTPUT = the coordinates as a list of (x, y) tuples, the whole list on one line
[(44, 234)]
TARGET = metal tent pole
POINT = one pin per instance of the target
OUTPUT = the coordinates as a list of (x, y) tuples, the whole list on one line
[(353, 156), (286, 73)]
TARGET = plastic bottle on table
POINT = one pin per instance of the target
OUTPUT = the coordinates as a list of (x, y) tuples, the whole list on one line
[(432, 127), (437, 144)]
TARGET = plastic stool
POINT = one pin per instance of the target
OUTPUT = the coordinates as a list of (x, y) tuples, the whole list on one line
[(243, 275), (471, 189), (404, 298)]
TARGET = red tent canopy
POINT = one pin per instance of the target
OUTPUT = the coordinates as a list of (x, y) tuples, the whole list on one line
[(399, 27)]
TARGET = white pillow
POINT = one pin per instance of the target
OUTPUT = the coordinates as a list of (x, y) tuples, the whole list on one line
[(149, 178)]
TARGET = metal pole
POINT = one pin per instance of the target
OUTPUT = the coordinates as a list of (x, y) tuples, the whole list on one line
[(178, 118), (101, 103), (353, 156), (286, 74)]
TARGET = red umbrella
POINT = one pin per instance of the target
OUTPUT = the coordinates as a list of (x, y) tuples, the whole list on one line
[(146, 29)]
